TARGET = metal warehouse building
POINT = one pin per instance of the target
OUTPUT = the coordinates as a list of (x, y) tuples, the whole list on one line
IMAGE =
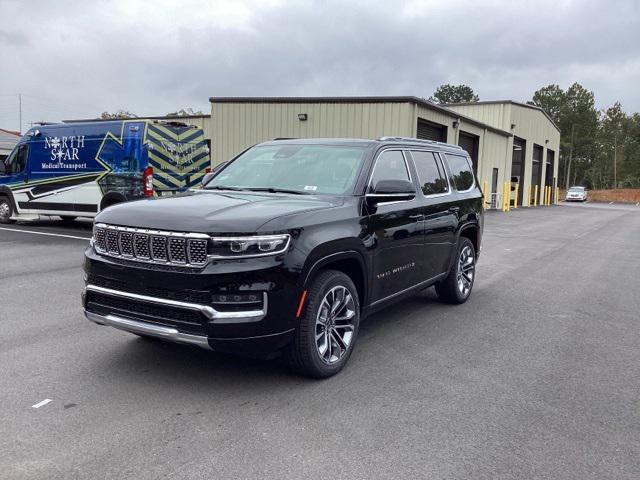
[(508, 141)]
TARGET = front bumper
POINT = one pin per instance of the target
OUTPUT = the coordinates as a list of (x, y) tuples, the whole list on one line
[(179, 306), (144, 328)]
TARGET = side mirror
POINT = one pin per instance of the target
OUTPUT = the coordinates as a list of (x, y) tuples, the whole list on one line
[(3, 167), (391, 191), (209, 175), (206, 177)]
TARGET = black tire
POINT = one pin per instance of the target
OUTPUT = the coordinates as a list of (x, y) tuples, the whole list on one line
[(6, 210), (304, 353), (457, 286), (68, 218)]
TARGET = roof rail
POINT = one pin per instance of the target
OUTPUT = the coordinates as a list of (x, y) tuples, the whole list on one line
[(283, 138), (417, 140)]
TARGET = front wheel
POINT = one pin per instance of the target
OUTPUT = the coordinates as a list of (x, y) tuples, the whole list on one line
[(6, 211), (328, 329), (457, 286)]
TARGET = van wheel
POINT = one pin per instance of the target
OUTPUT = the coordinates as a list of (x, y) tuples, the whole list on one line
[(457, 286), (6, 211), (328, 329), (67, 218)]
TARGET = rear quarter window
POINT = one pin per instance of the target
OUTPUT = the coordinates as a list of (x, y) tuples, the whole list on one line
[(461, 172)]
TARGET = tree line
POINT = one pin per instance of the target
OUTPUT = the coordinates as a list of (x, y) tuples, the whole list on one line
[(599, 149)]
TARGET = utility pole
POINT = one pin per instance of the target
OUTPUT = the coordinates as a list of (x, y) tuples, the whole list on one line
[(570, 158), (615, 158), (20, 108)]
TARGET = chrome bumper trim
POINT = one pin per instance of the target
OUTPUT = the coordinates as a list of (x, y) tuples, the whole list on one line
[(134, 326), (209, 312)]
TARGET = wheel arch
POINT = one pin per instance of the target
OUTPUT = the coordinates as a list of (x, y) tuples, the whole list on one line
[(350, 262), (472, 232), (6, 192)]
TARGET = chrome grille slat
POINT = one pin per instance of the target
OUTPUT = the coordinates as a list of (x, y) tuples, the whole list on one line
[(159, 248), (152, 246)]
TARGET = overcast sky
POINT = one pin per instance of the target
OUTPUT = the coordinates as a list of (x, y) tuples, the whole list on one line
[(75, 59)]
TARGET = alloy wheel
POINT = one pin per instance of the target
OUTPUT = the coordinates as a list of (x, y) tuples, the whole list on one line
[(466, 270), (334, 324)]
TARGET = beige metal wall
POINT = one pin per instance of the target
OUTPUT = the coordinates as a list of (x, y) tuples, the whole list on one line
[(236, 126), (494, 149), (531, 124)]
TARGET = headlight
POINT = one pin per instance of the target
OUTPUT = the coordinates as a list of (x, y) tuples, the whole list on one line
[(250, 246)]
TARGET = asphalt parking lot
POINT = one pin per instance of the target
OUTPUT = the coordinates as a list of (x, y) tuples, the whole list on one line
[(537, 376)]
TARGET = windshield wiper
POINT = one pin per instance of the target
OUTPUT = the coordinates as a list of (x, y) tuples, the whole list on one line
[(222, 187), (275, 190)]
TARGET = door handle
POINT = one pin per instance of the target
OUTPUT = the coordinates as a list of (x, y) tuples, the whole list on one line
[(454, 209), (416, 217)]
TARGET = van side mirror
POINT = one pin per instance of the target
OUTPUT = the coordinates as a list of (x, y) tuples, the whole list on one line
[(3, 167), (391, 191)]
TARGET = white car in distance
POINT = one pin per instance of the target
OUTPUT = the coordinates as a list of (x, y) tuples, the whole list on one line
[(576, 194)]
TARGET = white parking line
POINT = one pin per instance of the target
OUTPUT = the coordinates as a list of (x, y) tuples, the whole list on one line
[(44, 233), (42, 403)]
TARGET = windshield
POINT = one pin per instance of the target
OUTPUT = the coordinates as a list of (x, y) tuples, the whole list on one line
[(577, 189), (311, 169)]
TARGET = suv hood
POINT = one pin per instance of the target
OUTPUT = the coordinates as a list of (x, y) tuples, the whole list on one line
[(212, 212)]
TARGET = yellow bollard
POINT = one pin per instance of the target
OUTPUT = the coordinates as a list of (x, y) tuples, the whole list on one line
[(484, 193), (515, 196), (535, 197), (548, 196), (505, 197), (507, 188), (528, 195), (557, 195)]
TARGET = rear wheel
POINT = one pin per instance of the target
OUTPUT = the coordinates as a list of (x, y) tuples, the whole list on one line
[(6, 210), (327, 333), (457, 286)]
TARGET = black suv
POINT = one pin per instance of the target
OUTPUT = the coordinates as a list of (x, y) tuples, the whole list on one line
[(288, 246)]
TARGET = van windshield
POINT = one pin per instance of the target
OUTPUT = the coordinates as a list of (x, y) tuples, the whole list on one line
[(305, 169)]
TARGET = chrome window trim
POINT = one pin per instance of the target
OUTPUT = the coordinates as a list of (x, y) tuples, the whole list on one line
[(375, 164)]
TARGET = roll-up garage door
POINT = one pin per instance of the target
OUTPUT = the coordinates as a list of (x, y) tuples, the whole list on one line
[(470, 142), (431, 131)]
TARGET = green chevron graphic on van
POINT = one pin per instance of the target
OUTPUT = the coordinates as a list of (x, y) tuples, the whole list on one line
[(179, 156)]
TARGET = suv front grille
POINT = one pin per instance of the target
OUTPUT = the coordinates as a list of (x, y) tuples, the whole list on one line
[(168, 248)]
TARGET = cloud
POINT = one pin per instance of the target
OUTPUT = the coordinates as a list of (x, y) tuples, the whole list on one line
[(76, 59)]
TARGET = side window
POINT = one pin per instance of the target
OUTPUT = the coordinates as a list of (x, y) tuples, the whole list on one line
[(390, 165), (430, 175), (461, 172), (17, 162)]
